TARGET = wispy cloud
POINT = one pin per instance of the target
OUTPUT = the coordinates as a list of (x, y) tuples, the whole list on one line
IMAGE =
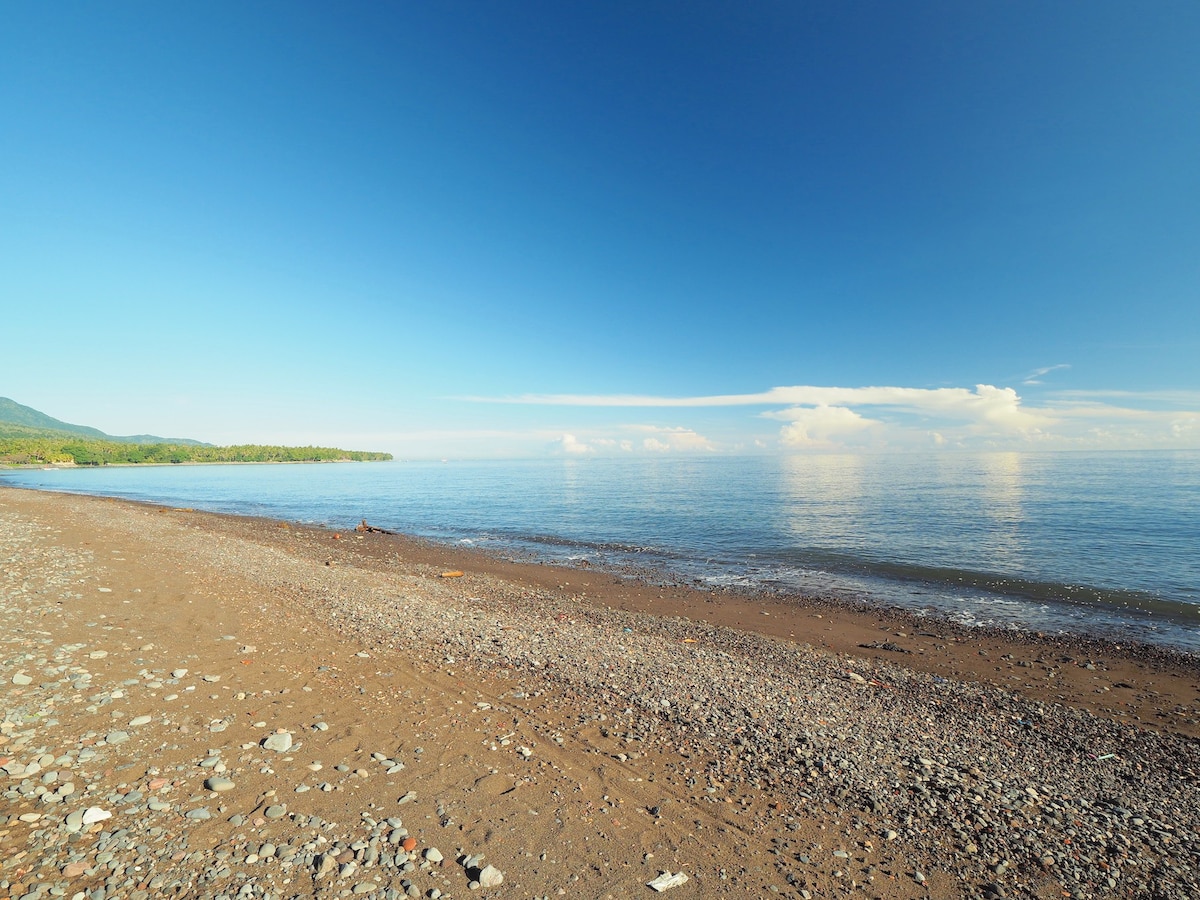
[(984, 400), (999, 406), (1035, 377), (839, 418), (1177, 399)]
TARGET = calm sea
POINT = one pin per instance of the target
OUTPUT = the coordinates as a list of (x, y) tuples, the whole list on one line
[(1105, 544)]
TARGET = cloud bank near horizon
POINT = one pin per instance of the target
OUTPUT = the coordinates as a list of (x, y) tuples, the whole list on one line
[(890, 417)]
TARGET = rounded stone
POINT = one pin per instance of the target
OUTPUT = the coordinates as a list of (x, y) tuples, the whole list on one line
[(279, 742), (95, 814)]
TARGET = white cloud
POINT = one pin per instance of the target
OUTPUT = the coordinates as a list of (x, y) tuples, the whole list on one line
[(603, 443), (674, 440), (821, 427), (1186, 427), (986, 410), (985, 417), (999, 406), (568, 443)]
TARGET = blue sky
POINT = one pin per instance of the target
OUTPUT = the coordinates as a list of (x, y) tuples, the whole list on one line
[(474, 229)]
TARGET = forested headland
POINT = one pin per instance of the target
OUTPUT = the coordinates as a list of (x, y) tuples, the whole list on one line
[(30, 447), (29, 437)]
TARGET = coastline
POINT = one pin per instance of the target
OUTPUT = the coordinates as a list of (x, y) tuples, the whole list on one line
[(169, 465), (746, 740), (951, 558)]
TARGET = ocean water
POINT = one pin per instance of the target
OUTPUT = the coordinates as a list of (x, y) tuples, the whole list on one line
[(1096, 543)]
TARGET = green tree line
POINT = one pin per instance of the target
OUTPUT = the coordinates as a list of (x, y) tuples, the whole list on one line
[(22, 450)]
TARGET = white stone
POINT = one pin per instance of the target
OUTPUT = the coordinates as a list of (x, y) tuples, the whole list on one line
[(95, 814), (490, 876), (279, 742)]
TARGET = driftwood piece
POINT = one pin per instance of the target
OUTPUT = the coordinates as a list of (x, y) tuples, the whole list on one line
[(364, 528)]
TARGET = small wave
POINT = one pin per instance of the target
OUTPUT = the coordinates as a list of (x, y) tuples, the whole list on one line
[(994, 587)]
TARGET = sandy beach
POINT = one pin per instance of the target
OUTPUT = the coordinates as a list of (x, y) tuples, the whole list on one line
[(211, 706)]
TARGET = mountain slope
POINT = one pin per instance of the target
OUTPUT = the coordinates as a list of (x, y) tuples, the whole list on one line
[(14, 413)]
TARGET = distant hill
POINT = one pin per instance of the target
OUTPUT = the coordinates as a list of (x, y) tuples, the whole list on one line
[(14, 413), (32, 438)]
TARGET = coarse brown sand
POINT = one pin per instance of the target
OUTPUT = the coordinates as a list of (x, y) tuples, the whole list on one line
[(584, 731)]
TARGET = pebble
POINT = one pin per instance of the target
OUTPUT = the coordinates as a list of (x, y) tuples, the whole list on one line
[(489, 876), (280, 742), (94, 814), (218, 784)]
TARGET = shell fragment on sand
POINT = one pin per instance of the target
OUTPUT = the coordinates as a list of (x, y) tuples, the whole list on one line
[(666, 881)]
